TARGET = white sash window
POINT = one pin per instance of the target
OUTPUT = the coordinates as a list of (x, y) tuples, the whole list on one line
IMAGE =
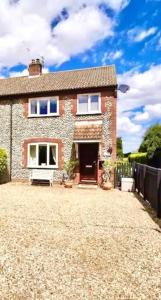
[(41, 107), (89, 104), (42, 155)]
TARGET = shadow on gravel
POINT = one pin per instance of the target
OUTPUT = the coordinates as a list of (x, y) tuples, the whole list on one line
[(147, 208)]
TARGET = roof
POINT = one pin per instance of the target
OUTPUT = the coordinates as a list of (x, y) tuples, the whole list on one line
[(88, 132), (59, 81)]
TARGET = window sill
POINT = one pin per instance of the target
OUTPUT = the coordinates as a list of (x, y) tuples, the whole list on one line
[(88, 113), (43, 116), (47, 167)]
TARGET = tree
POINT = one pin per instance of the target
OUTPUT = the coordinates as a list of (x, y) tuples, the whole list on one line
[(119, 147), (151, 140)]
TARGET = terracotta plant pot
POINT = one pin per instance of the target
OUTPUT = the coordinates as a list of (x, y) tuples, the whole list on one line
[(68, 184), (107, 186)]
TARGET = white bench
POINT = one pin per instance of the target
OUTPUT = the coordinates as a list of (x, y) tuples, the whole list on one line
[(38, 174)]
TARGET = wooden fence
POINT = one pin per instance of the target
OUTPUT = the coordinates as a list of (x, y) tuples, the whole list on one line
[(148, 184)]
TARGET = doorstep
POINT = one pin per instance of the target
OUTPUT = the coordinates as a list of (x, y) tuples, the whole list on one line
[(87, 186), (88, 181)]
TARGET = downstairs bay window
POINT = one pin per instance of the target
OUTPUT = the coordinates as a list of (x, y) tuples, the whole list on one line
[(43, 155)]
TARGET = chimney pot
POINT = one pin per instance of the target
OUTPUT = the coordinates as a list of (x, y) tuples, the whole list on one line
[(35, 67)]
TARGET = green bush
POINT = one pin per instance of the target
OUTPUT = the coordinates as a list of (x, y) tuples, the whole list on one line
[(69, 167), (3, 163), (139, 157)]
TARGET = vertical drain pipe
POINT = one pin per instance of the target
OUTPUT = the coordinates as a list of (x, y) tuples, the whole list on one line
[(11, 140)]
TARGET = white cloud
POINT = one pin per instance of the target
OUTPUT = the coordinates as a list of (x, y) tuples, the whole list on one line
[(151, 112), (108, 57), (118, 54), (130, 131), (25, 29), (145, 91), (142, 116), (126, 125), (138, 34), (25, 72), (117, 4), (145, 88), (81, 31)]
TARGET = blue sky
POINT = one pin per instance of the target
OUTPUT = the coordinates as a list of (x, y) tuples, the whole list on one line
[(72, 34)]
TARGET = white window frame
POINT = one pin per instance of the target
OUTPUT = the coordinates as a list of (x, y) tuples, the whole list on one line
[(38, 115), (37, 156), (89, 112)]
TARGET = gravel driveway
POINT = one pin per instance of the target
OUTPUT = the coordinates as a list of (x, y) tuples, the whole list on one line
[(57, 243)]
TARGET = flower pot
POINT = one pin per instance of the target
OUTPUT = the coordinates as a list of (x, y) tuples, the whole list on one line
[(127, 184), (107, 186), (68, 184)]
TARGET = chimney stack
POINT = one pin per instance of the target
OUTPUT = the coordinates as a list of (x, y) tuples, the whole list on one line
[(35, 67)]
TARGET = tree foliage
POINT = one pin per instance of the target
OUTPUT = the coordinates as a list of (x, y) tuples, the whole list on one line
[(3, 162), (151, 140), (119, 147), (138, 157)]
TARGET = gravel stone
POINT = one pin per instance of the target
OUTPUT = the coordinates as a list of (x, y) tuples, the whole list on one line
[(57, 243)]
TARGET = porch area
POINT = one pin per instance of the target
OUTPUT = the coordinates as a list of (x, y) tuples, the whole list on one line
[(59, 243)]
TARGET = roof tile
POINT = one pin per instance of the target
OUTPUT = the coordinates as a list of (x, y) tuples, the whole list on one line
[(59, 81), (88, 132)]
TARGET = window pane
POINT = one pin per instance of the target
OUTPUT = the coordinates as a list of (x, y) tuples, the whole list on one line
[(33, 107), (94, 103), (53, 106), (43, 107), (32, 155), (52, 155), (83, 103), (42, 155)]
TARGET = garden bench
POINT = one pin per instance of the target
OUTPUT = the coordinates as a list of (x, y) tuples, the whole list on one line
[(37, 174)]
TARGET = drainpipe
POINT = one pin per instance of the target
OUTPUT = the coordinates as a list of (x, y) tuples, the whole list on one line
[(11, 140)]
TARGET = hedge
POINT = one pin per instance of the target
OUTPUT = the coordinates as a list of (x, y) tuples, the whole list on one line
[(3, 163), (139, 157)]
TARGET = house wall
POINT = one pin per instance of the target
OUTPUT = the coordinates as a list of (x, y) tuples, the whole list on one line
[(5, 121), (60, 128)]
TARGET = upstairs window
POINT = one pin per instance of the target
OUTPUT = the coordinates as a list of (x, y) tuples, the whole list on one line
[(89, 104), (43, 107), (42, 155)]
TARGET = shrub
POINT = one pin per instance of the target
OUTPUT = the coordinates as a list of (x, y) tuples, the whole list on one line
[(107, 167), (155, 159), (70, 166), (139, 157), (3, 163)]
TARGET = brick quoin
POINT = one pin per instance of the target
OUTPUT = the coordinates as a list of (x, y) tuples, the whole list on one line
[(25, 108), (61, 106), (113, 125), (73, 104), (104, 96), (44, 140), (113, 97)]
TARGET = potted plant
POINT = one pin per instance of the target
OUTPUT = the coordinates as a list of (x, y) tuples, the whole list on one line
[(69, 167), (107, 171)]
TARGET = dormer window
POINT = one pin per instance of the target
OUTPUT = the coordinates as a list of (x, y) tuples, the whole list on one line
[(39, 107)]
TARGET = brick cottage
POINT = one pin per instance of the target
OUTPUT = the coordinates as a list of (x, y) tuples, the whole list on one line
[(45, 119)]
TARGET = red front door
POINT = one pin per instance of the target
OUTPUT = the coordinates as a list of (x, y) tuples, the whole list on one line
[(88, 156)]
